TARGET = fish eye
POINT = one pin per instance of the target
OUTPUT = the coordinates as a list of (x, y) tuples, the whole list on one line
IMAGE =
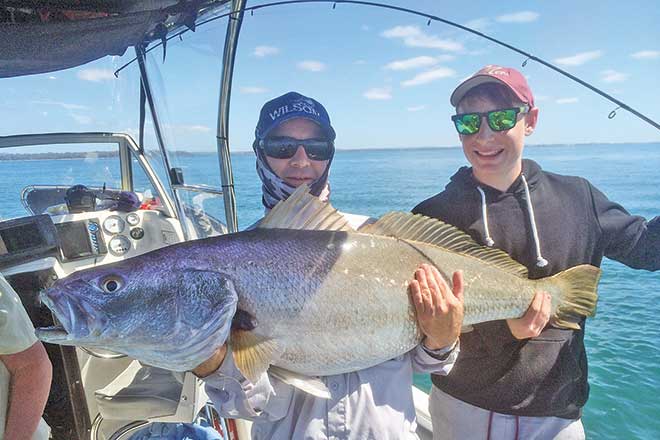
[(111, 285)]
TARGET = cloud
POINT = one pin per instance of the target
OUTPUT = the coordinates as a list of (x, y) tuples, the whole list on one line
[(478, 24), (567, 101), (376, 93), (52, 77), (477, 52), (518, 17), (82, 119), (411, 63), (412, 36), (263, 51), (185, 129), (312, 66), (64, 105), (197, 128), (427, 77), (96, 75), (580, 58), (249, 90), (416, 108), (359, 62), (445, 57), (611, 76), (365, 27), (646, 55)]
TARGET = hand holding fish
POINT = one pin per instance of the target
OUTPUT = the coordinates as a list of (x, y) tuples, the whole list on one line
[(439, 308), (209, 366), (535, 318)]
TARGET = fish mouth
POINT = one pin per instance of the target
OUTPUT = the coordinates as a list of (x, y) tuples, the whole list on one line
[(76, 320)]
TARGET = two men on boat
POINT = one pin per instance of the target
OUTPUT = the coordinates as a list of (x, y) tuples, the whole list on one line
[(519, 378)]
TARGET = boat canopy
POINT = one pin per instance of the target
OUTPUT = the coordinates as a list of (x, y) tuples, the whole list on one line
[(44, 36)]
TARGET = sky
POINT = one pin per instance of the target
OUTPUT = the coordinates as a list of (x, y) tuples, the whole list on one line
[(384, 76)]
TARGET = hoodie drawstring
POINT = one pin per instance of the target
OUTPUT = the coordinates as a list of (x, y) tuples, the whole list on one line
[(484, 215), (540, 261)]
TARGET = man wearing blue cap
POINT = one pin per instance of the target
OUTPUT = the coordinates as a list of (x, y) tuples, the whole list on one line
[(294, 145)]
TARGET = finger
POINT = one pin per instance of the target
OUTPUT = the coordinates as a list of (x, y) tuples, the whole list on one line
[(416, 296), (438, 288), (546, 308), (542, 315), (420, 275), (439, 279), (534, 307), (458, 285), (424, 287)]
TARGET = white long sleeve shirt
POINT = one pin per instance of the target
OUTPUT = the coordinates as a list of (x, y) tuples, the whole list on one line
[(374, 403)]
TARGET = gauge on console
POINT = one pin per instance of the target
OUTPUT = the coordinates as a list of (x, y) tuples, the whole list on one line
[(119, 245), (113, 224), (133, 219)]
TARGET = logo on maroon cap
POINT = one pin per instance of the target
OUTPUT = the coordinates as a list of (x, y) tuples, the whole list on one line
[(508, 76)]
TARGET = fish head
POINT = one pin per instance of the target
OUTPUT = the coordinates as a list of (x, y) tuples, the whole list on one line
[(170, 316)]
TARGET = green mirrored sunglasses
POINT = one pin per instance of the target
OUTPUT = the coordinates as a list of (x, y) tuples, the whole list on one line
[(498, 120)]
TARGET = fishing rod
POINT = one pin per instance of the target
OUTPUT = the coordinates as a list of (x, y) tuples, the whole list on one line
[(431, 18)]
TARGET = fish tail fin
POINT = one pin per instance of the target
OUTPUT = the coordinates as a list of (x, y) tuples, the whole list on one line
[(579, 295)]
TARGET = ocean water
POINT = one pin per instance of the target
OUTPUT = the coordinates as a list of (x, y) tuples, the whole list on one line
[(623, 340)]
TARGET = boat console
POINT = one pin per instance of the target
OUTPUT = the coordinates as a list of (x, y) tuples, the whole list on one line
[(28, 238)]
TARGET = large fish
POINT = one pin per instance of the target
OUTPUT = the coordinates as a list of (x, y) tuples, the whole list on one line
[(302, 292)]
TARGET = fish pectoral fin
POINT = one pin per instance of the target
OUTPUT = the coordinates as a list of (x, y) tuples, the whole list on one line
[(310, 385), (302, 210), (253, 354), (416, 227)]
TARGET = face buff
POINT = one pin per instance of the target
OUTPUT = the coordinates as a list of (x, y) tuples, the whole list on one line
[(274, 189)]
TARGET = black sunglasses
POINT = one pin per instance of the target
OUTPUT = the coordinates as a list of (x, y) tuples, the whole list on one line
[(286, 147), (498, 120)]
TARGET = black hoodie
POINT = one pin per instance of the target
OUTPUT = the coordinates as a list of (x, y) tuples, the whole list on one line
[(577, 224)]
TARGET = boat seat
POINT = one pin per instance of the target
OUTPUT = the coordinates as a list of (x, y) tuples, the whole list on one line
[(140, 393)]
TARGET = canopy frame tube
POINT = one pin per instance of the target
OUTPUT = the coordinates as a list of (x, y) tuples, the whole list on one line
[(222, 136), (180, 214)]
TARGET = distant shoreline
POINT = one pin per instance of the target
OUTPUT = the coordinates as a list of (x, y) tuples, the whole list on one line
[(113, 154)]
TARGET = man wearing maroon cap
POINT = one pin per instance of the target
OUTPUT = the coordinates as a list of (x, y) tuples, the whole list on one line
[(523, 378)]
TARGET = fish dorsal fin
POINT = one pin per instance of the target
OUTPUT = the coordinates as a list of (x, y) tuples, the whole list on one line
[(252, 354), (417, 227), (301, 210)]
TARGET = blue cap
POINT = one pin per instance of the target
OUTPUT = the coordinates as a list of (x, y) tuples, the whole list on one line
[(289, 106)]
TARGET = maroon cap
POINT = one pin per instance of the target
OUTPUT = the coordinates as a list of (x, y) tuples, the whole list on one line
[(511, 78)]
